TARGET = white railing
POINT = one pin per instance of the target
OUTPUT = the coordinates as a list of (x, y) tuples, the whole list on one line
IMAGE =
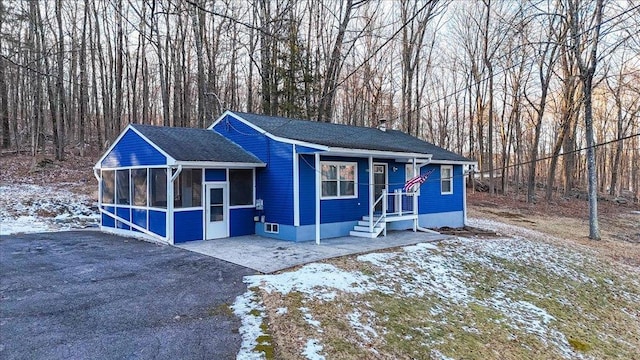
[(383, 198), (399, 199)]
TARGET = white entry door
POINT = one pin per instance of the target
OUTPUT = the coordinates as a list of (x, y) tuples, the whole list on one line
[(217, 211)]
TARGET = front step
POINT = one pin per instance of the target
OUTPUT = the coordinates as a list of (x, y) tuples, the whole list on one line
[(364, 234), (362, 229)]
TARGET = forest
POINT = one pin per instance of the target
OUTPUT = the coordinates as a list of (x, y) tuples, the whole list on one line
[(543, 94)]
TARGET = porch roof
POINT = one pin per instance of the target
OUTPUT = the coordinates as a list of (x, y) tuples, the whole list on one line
[(349, 137)]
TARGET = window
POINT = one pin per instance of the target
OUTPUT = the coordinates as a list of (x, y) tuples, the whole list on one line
[(240, 187), (271, 228), (338, 179), (122, 187), (139, 188), (187, 189), (446, 179), (158, 180), (108, 186), (408, 175)]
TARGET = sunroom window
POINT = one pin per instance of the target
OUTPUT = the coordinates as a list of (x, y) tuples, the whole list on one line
[(139, 188), (241, 187), (187, 189), (108, 186), (338, 179), (158, 182), (122, 183)]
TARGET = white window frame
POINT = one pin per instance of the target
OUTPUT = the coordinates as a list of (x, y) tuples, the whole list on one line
[(271, 228), (408, 175), (355, 179), (449, 179)]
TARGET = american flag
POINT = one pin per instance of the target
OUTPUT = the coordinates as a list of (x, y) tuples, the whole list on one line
[(417, 180)]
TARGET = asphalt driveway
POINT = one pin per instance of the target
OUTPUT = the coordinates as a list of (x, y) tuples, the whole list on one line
[(89, 295)]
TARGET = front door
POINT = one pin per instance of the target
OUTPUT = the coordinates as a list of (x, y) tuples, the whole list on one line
[(380, 182), (216, 211)]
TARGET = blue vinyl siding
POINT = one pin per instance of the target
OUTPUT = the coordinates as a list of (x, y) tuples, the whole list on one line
[(245, 136), (338, 210), (139, 217), (187, 226), (107, 220), (124, 213), (132, 150), (431, 201), (341, 210), (241, 221), (215, 175), (307, 190), (274, 184), (158, 222)]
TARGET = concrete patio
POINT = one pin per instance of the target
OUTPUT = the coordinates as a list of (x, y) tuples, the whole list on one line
[(269, 255)]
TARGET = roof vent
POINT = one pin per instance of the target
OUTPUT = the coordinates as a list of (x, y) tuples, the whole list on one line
[(383, 125)]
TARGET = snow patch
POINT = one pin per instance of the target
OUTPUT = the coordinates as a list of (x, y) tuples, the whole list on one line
[(312, 350), (320, 281), (250, 309)]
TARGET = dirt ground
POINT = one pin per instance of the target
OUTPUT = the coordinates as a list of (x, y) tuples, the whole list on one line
[(75, 173), (568, 220)]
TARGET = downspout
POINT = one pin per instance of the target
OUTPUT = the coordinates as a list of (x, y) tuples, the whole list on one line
[(97, 174), (318, 193), (371, 193), (170, 219)]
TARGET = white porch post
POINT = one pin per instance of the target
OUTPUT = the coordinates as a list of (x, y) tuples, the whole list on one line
[(464, 195), (296, 188), (318, 194), (169, 206), (371, 193), (415, 198)]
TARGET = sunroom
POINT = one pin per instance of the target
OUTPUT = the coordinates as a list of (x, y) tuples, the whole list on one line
[(176, 184)]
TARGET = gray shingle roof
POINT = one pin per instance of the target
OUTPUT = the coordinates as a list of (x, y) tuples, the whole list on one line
[(346, 136), (187, 144)]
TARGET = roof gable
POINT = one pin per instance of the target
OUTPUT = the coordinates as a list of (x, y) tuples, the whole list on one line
[(347, 136)]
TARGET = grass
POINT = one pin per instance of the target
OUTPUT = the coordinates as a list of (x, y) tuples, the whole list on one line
[(549, 304)]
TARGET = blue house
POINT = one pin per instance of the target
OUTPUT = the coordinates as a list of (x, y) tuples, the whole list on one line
[(277, 177)]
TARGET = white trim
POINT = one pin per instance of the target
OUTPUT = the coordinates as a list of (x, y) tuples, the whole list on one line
[(170, 217), (170, 159), (296, 188), (218, 164), (464, 196), (266, 133), (371, 193), (451, 162), (375, 153), (386, 176), (135, 235), (318, 194), (117, 219), (224, 185), (355, 179), (450, 179)]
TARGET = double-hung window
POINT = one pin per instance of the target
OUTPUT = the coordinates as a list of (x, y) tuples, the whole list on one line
[(446, 179), (339, 180)]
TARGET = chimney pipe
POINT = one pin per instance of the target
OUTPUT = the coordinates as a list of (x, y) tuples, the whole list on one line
[(383, 125)]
